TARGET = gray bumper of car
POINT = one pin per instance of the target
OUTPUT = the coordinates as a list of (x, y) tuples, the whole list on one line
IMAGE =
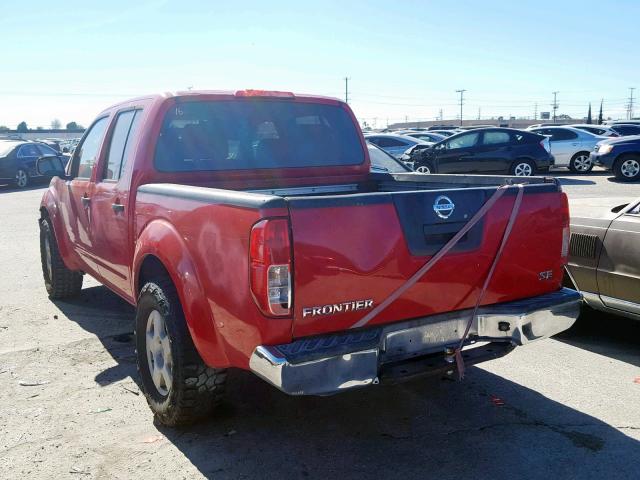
[(332, 363), (602, 160)]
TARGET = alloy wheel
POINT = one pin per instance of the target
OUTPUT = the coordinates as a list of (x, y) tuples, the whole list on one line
[(21, 178), (523, 170), (630, 168), (582, 163), (159, 357), (423, 169)]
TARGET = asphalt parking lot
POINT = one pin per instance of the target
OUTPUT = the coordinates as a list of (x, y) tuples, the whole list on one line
[(70, 406)]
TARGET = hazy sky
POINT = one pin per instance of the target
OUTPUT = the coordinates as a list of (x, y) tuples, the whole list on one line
[(70, 59)]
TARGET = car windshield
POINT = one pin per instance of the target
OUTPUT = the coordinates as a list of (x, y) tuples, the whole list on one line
[(381, 160), (256, 134)]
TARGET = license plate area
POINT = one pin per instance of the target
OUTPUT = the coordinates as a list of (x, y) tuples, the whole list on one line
[(423, 339)]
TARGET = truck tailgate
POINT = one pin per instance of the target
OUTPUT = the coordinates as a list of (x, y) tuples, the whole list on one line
[(351, 252)]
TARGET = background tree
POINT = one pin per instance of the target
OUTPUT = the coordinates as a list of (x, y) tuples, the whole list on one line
[(22, 127), (600, 114), (74, 126), (4, 128), (56, 124)]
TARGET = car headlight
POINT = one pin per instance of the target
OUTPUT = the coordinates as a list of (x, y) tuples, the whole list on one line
[(603, 149)]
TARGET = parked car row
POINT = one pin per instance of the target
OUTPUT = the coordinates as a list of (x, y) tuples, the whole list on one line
[(517, 152)]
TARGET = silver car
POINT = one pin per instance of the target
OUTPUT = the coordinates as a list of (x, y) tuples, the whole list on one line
[(426, 136), (571, 146), (393, 144)]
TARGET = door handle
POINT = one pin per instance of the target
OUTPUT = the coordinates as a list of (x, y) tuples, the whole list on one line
[(117, 207), (85, 201)]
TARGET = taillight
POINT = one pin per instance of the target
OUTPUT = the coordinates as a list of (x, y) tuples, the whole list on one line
[(544, 143), (270, 266), (566, 229)]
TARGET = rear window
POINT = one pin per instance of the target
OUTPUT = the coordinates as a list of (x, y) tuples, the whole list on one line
[(256, 134)]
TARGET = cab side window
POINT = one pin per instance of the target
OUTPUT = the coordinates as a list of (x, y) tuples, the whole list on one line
[(87, 152), (120, 144)]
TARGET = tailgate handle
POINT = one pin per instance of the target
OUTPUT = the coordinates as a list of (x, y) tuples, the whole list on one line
[(439, 234)]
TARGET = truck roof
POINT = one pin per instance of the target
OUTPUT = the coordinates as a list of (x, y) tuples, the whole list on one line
[(159, 97)]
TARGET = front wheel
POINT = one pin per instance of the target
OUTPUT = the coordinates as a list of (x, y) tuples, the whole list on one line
[(177, 384), (627, 169), (523, 168), (581, 163), (424, 168), (21, 178), (59, 281)]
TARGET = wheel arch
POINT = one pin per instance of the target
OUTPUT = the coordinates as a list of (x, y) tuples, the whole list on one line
[(622, 155), (49, 211), (160, 250)]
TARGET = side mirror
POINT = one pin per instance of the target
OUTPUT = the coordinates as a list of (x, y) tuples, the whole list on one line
[(50, 166), (65, 149)]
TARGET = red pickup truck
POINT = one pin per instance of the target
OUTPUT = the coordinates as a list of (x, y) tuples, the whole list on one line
[(250, 230)]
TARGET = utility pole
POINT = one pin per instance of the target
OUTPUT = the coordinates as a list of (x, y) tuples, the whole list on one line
[(441, 115), (346, 89), (535, 111), (555, 105), (461, 92), (479, 112), (630, 106)]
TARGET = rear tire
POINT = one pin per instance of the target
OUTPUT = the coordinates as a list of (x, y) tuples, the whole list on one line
[(180, 389), (581, 163), (59, 281), (627, 168), (523, 168), (22, 178)]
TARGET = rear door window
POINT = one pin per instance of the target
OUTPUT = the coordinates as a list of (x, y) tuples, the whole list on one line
[(562, 134), (495, 138), (28, 150), (256, 134), (122, 137)]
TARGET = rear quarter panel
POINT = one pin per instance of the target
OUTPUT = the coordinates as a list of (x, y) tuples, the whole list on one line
[(205, 248)]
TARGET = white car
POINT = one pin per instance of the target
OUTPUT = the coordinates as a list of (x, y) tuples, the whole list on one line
[(571, 147)]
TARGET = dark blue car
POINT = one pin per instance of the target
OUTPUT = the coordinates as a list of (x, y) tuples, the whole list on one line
[(18, 161), (621, 155)]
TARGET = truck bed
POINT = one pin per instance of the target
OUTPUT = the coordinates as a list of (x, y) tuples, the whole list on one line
[(361, 241)]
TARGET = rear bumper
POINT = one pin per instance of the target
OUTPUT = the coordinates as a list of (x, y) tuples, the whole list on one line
[(333, 363)]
